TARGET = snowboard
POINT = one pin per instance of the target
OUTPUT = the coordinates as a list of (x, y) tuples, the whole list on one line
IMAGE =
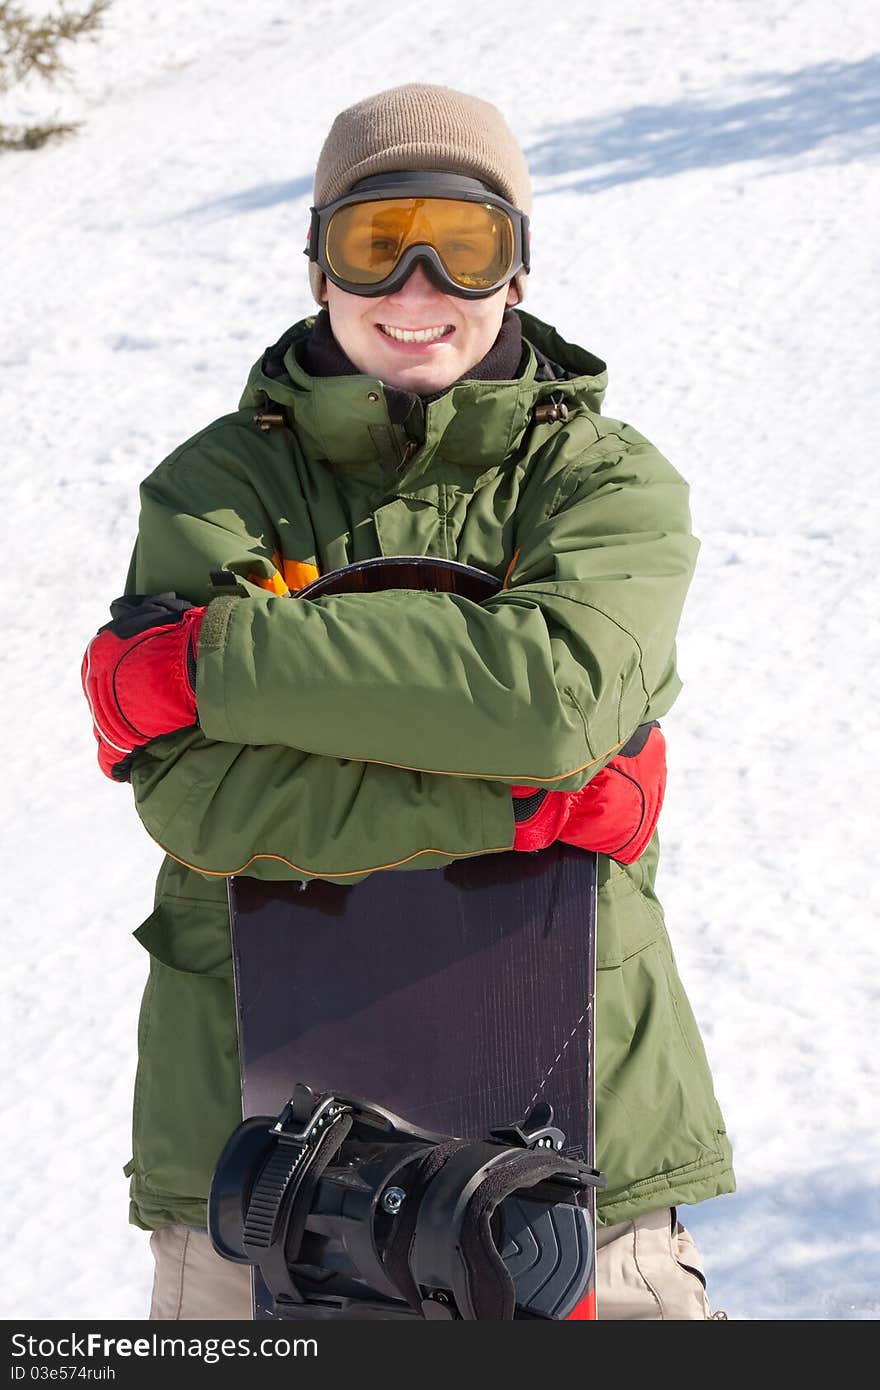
[(459, 998)]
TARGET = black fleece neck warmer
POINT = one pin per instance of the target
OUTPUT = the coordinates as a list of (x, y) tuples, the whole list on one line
[(324, 356)]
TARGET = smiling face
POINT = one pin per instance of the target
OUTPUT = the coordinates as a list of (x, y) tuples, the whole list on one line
[(418, 339)]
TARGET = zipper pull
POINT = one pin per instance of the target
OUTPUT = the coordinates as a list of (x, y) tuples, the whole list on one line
[(410, 448)]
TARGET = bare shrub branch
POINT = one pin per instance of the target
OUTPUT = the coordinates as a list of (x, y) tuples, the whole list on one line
[(30, 45), (31, 137)]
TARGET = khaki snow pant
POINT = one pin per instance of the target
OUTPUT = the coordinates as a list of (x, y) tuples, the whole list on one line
[(647, 1269)]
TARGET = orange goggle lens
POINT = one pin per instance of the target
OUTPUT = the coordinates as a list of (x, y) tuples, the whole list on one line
[(475, 241)]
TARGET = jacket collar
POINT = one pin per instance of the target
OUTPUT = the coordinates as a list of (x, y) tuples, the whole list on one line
[(353, 422)]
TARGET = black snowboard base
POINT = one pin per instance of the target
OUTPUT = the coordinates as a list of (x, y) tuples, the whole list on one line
[(456, 998)]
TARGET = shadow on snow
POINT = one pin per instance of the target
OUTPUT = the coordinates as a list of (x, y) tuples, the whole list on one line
[(785, 114), (261, 195)]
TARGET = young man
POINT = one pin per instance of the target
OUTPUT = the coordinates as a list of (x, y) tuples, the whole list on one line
[(419, 413)]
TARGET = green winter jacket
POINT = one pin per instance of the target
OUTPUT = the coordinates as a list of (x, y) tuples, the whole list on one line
[(362, 732)]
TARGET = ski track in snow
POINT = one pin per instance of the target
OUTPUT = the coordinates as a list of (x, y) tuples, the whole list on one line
[(706, 180)]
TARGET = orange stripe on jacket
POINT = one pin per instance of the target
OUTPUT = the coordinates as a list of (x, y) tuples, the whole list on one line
[(290, 576), (510, 568), (275, 585), (298, 574)]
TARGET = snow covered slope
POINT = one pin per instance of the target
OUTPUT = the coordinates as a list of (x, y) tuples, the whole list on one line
[(707, 201)]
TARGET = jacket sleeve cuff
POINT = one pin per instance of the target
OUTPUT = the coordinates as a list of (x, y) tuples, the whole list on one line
[(213, 713)]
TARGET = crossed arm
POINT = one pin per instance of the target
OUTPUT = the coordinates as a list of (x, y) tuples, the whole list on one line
[(365, 731)]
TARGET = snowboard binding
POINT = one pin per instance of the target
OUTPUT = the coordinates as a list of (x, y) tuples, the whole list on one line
[(347, 1210)]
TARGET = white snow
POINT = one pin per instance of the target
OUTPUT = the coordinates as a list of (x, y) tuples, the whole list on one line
[(706, 220)]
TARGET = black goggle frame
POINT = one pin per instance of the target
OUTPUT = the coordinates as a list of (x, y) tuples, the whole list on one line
[(418, 185)]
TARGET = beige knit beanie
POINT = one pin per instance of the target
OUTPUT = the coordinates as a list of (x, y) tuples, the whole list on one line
[(421, 127)]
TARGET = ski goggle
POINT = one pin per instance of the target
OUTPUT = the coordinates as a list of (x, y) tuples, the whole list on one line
[(470, 240)]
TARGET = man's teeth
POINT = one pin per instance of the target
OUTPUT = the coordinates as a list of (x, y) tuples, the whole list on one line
[(415, 335)]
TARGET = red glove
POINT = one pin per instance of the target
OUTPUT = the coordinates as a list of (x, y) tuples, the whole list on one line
[(615, 814), (139, 676)]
